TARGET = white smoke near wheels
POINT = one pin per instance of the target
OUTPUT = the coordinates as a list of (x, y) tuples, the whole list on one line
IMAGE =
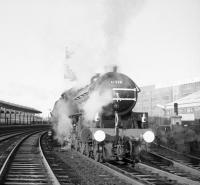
[(62, 124)]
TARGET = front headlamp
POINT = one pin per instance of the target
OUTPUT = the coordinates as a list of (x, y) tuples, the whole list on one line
[(99, 135), (149, 136)]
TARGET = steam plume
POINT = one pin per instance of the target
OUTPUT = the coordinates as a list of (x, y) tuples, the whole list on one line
[(118, 13), (96, 102), (102, 51), (60, 116)]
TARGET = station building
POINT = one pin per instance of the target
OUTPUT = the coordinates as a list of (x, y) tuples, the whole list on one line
[(188, 107), (11, 113), (158, 101)]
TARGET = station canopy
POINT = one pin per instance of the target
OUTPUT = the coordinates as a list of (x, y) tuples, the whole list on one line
[(192, 100), (17, 107)]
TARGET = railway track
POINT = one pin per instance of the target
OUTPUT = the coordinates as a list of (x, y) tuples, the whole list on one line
[(122, 173), (169, 166), (25, 165), (142, 175), (71, 166), (98, 173), (64, 174), (188, 160), (10, 136), (146, 174), (161, 173), (183, 164), (8, 143), (8, 133)]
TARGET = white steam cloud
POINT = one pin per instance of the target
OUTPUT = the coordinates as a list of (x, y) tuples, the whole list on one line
[(118, 13), (62, 124), (101, 50), (97, 100)]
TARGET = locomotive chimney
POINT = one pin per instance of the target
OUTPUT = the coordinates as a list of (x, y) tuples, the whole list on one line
[(115, 68), (111, 68)]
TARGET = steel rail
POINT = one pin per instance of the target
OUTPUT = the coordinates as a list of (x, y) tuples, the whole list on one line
[(49, 170), (10, 155)]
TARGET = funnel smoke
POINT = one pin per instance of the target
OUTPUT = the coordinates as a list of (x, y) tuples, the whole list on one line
[(99, 53), (118, 14)]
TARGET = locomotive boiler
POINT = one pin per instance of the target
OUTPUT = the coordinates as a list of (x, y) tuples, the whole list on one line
[(113, 133)]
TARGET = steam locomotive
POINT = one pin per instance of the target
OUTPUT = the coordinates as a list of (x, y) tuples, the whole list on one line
[(115, 132)]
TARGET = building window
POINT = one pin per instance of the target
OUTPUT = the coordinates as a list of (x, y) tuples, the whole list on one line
[(189, 110), (165, 97)]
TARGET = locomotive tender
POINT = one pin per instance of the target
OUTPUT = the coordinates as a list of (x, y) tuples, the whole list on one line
[(113, 134)]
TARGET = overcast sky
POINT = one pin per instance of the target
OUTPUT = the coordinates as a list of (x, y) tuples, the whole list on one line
[(153, 42)]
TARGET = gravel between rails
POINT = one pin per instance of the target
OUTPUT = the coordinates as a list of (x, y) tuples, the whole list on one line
[(90, 173)]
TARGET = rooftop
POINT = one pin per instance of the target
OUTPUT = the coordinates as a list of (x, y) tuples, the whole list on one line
[(192, 100), (17, 107)]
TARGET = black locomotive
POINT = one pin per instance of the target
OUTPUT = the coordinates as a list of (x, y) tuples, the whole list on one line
[(116, 132)]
